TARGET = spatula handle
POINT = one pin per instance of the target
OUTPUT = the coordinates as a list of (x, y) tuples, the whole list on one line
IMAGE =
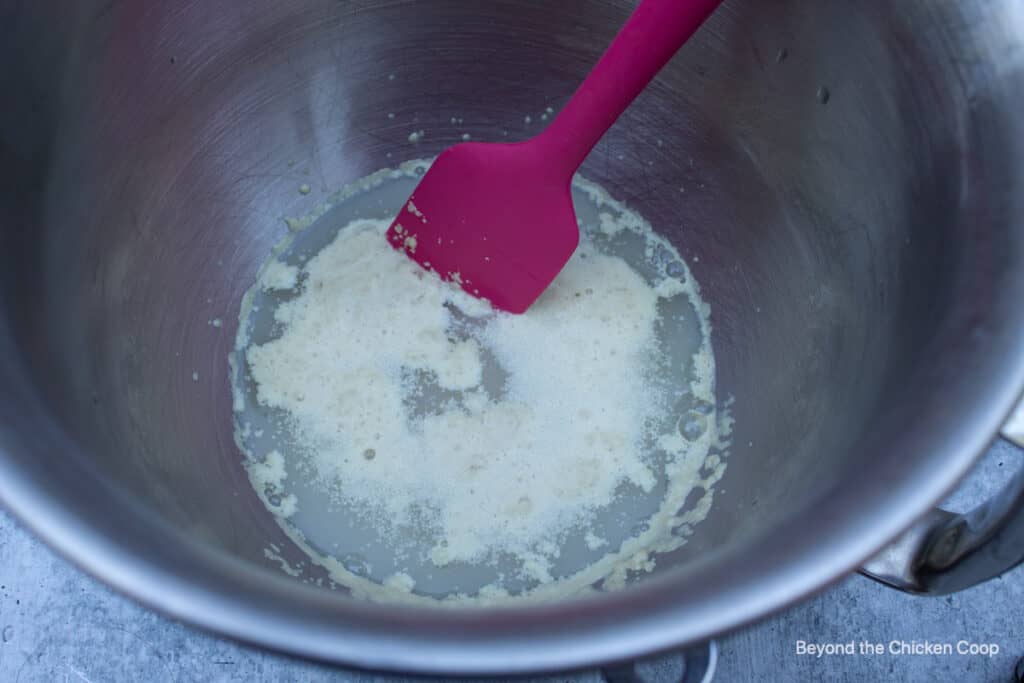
[(654, 32)]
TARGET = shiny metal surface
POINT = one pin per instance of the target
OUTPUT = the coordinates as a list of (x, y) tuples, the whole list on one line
[(945, 552), (850, 177)]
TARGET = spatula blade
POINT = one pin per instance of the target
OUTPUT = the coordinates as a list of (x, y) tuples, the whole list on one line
[(494, 219)]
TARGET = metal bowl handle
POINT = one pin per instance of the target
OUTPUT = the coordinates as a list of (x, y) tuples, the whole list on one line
[(945, 552)]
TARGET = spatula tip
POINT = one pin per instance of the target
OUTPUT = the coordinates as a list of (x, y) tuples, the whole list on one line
[(492, 218)]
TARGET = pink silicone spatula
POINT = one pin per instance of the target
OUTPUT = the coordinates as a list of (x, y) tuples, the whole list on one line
[(498, 219)]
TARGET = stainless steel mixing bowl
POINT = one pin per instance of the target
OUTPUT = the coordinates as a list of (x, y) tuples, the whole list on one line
[(846, 178)]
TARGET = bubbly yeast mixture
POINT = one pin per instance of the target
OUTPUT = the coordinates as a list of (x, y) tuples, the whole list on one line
[(463, 437)]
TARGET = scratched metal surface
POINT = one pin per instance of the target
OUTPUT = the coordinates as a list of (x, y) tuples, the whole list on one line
[(57, 624), (319, 81)]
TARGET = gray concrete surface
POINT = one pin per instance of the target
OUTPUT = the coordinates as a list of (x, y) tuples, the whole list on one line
[(57, 624)]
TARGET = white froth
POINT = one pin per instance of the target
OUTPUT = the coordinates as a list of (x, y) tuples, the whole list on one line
[(500, 475), (380, 369), (279, 276)]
